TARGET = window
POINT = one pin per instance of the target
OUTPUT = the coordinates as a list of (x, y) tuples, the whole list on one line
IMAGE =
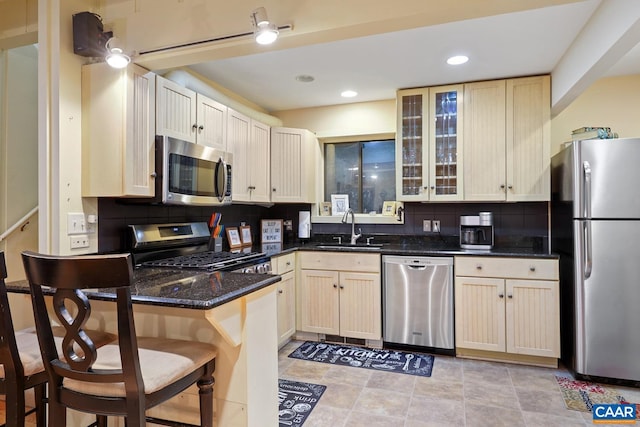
[(363, 170)]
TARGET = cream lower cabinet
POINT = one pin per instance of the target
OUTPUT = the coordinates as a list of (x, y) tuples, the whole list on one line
[(284, 265), (340, 294), (508, 309)]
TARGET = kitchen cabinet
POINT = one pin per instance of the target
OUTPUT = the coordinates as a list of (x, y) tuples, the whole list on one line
[(284, 265), (249, 140), (507, 129), (184, 114), (507, 309), (294, 156), (118, 131), (340, 294), (429, 144)]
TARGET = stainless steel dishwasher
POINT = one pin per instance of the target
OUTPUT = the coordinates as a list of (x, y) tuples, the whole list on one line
[(418, 301)]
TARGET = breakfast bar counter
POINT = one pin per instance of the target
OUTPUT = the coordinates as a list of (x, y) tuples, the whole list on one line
[(235, 312)]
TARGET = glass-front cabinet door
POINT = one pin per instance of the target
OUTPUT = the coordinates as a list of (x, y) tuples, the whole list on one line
[(412, 154), (445, 143)]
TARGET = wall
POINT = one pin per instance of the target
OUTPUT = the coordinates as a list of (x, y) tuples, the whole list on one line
[(363, 118), (18, 152), (611, 102)]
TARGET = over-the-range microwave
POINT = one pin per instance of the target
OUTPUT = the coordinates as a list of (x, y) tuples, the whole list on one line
[(191, 174)]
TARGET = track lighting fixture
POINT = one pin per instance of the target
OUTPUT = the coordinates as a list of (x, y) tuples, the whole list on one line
[(265, 32)]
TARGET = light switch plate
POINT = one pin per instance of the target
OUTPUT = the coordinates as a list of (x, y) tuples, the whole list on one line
[(426, 225), (76, 224)]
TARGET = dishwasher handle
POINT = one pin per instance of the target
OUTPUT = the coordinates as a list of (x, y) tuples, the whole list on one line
[(417, 267)]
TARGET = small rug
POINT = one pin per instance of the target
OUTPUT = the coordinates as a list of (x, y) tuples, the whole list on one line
[(296, 400), (582, 395), (359, 357)]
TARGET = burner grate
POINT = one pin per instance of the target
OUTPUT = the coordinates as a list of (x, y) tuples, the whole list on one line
[(204, 260)]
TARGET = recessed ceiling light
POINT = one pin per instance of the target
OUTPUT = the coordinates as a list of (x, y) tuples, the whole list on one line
[(349, 93), (305, 78), (457, 60)]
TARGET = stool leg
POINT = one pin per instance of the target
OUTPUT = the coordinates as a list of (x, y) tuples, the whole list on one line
[(14, 405), (205, 392), (41, 405), (57, 415)]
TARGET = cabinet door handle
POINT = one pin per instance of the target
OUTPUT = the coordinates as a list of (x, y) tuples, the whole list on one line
[(433, 187), (200, 128), (153, 175), (502, 186), (273, 189), (532, 268), (279, 291), (509, 296), (288, 263), (194, 127), (510, 187), (501, 295), (478, 266), (341, 286), (335, 286)]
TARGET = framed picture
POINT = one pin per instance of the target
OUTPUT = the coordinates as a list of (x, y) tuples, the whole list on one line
[(234, 237), (245, 235), (325, 208), (389, 208), (339, 204), (271, 230)]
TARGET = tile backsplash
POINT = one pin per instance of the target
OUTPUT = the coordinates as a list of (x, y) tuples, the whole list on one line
[(511, 220)]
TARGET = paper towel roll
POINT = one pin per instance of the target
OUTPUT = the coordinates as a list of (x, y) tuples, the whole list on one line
[(304, 225)]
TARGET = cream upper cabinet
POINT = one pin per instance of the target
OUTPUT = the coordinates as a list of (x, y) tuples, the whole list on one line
[(446, 143), (294, 153), (340, 294), (508, 305), (184, 114), (284, 265), (250, 143), (118, 131), (429, 144), (507, 153), (528, 139)]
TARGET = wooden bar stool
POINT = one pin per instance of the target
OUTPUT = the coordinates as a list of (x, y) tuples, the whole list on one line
[(22, 367), (123, 379)]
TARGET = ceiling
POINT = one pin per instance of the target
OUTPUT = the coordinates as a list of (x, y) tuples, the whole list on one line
[(507, 45)]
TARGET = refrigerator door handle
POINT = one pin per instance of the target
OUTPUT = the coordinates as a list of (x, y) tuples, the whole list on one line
[(586, 188), (588, 255)]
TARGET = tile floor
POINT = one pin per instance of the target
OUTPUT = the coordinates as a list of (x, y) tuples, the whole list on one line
[(460, 392)]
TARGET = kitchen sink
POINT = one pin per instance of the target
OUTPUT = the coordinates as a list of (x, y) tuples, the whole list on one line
[(363, 246)]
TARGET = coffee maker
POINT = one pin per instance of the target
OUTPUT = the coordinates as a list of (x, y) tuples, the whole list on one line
[(476, 232)]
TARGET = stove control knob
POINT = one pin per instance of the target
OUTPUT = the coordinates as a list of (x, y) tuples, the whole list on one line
[(267, 268), (247, 270), (261, 269)]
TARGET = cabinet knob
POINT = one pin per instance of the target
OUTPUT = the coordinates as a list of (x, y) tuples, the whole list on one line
[(273, 189), (335, 286), (279, 291), (288, 263), (341, 286), (478, 266), (433, 187), (510, 187), (153, 175), (502, 187), (194, 127), (501, 295), (509, 296), (532, 268)]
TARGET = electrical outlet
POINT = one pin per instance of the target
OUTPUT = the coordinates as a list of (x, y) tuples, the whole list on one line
[(436, 226), (426, 225), (79, 241), (76, 223)]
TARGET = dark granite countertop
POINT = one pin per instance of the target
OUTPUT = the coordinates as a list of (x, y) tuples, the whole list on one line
[(181, 288), (419, 247)]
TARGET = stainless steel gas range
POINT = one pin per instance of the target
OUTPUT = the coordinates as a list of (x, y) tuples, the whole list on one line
[(186, 246)]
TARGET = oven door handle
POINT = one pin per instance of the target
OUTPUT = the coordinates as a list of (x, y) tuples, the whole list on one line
[(221, 177)]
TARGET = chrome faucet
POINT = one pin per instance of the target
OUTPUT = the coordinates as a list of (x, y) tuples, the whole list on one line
[(354, 236)]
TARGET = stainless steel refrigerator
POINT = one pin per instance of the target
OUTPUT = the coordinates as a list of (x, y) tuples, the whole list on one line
[(595, 217)]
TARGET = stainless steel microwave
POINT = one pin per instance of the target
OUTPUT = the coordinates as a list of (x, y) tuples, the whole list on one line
[(192, 174)]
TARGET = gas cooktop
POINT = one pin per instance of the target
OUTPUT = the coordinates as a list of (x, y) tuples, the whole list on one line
[(208, 260)]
